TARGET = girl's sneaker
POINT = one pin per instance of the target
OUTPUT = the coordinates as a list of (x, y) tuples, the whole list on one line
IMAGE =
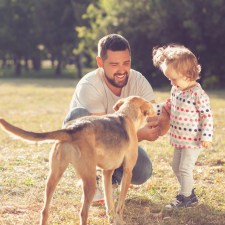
[(183, 202), (193, 197)]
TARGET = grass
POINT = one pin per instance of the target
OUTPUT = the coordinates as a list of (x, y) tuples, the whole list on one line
[(41, 105)]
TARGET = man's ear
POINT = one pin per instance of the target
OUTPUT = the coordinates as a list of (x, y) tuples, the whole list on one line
[(99, 61), (118, 104)]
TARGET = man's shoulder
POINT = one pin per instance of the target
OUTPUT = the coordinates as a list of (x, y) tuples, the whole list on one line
[(91, 77), (137, 77), (135, 73)]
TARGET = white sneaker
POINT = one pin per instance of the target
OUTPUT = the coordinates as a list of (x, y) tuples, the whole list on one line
[(98, 197)]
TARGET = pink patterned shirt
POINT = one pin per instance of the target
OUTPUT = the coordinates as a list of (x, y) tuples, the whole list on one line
[(191, 118)]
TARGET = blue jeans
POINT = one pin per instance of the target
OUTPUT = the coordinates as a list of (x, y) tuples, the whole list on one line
[(142, 170)]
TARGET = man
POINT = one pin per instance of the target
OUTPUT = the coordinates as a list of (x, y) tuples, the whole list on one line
[(99, 90)]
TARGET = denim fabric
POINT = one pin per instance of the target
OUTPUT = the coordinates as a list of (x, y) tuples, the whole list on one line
[(142, 170)]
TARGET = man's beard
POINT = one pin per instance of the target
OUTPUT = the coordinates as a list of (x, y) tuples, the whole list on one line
[(118, 84)]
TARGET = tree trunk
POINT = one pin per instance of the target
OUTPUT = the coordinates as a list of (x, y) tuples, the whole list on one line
[(3, 62), (53, 62), (58, 70), (17, 64), (36, 62), (78, 66), (26, 66)]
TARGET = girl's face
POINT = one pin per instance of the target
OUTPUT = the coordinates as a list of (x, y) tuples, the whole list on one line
[(177, 79)]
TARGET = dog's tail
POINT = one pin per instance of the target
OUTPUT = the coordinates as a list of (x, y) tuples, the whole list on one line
[(61, 135)]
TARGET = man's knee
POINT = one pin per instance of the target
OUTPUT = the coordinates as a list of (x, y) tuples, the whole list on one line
[(75, 113), (143, 168), (146, 174)]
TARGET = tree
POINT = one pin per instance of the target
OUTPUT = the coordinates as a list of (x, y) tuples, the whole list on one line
[(196, 24), (57, 21), (18, 38)]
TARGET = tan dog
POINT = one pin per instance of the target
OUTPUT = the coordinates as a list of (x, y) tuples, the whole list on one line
[(106, 142)]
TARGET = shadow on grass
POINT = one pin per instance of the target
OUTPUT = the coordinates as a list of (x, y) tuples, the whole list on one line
[(56, 82), (48, 82), (144, 212)]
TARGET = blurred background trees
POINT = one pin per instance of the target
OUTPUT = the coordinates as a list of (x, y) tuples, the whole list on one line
[(67, 32)]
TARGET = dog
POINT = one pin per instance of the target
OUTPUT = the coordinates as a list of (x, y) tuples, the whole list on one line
[(107, 142)]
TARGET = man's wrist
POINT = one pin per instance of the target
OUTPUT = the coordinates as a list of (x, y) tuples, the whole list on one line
[(140, 135)]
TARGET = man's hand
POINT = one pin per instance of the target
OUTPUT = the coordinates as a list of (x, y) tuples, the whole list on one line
[(150, 131)]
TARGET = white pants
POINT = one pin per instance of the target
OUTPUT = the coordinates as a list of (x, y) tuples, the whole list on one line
[(184, 160)]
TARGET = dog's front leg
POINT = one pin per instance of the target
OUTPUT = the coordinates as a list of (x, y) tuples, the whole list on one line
[(125, 183), (107, 180)]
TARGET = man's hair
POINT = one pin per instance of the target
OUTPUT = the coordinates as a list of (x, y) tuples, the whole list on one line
[(113, 42), (179, 57)]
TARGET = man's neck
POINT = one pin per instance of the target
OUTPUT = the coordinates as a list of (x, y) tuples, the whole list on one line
[(115, 90)]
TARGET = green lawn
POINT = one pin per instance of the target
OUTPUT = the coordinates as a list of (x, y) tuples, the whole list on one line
[(41, 105)]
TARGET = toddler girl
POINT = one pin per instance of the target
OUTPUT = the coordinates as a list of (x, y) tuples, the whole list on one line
[(191, 122)]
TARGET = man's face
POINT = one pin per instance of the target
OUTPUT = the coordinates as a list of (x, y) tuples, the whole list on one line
[(117, 67)]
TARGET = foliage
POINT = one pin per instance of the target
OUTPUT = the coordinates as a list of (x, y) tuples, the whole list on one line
[(26, 26), (18, 37), (68, 31), (196, 24)]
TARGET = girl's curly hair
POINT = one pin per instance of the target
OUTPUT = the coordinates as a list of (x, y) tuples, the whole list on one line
[(179, 57)]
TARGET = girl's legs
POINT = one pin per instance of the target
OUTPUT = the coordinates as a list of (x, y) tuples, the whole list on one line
[(183, 164), (188, 159), (176, 163)]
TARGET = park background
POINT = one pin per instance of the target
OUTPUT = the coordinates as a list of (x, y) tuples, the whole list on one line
[(47, 46), (66, 33)]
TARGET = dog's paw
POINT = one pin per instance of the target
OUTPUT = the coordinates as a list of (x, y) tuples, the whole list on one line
[(111, 217)]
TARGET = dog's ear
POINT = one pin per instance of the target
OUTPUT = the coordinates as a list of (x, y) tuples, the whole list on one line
[(118, 104), (147, 109)]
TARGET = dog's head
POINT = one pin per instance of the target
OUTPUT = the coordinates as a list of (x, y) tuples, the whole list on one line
[(135, 107), (143, 105)]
